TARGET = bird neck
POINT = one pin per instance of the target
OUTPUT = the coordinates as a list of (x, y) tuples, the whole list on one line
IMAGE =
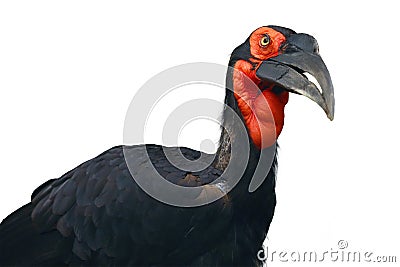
[(234, 133), (235, 140), (230, 125)]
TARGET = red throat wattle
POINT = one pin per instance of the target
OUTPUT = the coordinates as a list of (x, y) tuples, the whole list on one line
[(261, 106)]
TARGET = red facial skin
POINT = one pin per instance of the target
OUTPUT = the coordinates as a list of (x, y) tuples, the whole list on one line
[(263, 112)]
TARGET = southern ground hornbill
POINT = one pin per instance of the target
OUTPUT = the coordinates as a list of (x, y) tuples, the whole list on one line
[(96, 214)]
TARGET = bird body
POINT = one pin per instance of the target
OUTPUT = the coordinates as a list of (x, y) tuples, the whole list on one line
[(99, 214), (96, 214)]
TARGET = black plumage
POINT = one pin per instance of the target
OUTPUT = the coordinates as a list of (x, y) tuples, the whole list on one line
[(96, 214)]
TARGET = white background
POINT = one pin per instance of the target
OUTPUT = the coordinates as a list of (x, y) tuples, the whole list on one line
[(68, 71)]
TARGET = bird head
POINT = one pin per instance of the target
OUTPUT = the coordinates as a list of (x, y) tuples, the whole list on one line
[(269, 65)]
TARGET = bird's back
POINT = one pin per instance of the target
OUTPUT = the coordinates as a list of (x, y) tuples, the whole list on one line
[(97, 214)]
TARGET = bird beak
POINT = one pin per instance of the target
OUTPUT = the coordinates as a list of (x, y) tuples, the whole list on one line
[(299, 55)]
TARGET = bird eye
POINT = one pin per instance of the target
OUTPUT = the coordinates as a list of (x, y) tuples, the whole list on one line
[(264, 41)]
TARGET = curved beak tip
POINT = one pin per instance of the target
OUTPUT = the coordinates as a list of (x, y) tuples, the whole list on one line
[(330, 101), (286, 70)]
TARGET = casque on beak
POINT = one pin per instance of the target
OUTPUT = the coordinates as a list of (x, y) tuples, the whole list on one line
[(299, 55)]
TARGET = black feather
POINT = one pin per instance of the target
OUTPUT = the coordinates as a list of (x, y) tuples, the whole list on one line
[(96, 214)]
